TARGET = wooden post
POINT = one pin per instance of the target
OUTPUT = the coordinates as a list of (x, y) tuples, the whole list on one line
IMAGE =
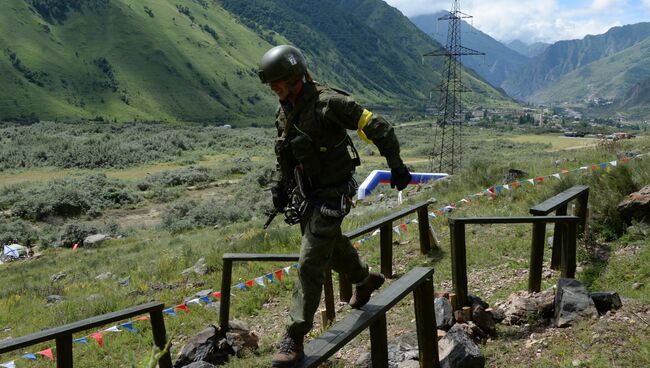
[(425, 320), (329, 297), (556, 255), (581, 211), (458, 263), (386, 246), (224, 306), (160, 337), (379, 343), (64, 351), (536, 257), (345, 289), (569, 251), (423, 226)]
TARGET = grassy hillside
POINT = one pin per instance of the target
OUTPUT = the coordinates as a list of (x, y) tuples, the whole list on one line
[(188, 60)]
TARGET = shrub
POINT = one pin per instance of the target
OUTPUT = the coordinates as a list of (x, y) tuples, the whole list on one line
[(75, 233), (19, 230), (185, 176)]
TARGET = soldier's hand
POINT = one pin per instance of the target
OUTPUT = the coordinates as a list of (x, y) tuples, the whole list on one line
[(280, 197), (400, 177)]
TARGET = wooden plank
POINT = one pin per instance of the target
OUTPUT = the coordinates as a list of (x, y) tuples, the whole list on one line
[(514, 220), (384, 220), (569, 252), (64, 357), (425, 321), (458, 263), (86, 324), (379, 343), (424, 229), (536, 257), (557, 239), (345, 330), (224, 306), (581, 211), (386, 249), (260, 257), (160, 337), (558, 200)]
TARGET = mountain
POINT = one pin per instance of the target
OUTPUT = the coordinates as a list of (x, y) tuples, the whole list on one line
[(621, 80), (530, 50), (564, 57), (500, 61), (196, 60)]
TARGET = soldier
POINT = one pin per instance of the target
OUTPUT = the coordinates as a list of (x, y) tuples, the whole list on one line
[(316, 163)]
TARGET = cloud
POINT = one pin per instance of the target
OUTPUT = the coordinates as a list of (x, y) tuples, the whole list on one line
[(532, 20)]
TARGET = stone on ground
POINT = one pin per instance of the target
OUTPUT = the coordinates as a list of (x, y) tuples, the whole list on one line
[(572, 303), (457, 350)]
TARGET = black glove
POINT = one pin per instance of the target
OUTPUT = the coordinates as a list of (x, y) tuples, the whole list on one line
[(280, 197), (400, 177)]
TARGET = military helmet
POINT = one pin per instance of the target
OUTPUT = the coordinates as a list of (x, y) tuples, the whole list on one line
[(280, 62)]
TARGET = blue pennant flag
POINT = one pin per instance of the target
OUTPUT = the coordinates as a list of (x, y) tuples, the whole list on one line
[(81, 340), (29, 356), (603, 165), (269, 276), (241, 286), (205, 299), (128, 326), (295, 265), (498, 188), (170, 311)]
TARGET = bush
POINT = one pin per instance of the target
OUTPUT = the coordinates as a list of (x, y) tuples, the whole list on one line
[(19, 230), (75, 233), (184, 176)]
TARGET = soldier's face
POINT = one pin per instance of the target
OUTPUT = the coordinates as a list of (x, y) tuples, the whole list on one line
[(281, 88)]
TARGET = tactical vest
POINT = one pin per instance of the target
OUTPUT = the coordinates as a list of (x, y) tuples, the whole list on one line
[(322, 148)]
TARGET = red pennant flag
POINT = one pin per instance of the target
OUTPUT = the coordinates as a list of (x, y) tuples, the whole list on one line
[(356, 245), (594, 167), (564, 171), (541, 178), (97, 336), (439, 213), (47, 353), (491, 189), (626, 160), (142, 318), (278, 274), (250, 283), (217, 294), (403, 227), (75, 246), (182, 307), (515, 184)]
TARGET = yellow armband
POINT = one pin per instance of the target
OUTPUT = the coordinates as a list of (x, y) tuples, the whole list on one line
[(365, 118)]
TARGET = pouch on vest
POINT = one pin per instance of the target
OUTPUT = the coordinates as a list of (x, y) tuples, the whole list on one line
[(306, 154)]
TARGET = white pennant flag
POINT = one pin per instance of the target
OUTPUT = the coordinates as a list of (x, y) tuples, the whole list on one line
[(584, 168), (260, 281), (613, 163), (506, 186), (532, 181), (415, 221), (112, 329), (396, 229), (400, 199), (10, 364), (431, 214), (376, 232), (464, 200), (557, 176), (286, 269), (193, 301)]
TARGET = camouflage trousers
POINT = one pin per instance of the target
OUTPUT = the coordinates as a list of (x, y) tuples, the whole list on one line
[(323, 245)]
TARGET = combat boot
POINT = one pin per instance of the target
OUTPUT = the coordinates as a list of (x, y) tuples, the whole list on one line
[(289, 353), (363, 290)]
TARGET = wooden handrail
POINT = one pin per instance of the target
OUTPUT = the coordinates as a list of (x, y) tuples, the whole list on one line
[(373, 315), (63, 334)]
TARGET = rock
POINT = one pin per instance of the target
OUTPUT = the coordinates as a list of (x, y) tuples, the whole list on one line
[(200, 365), (483, 319), (409, 364), (125, 281), (93, 297), (636, 206), (606, 301), (104, 276), (96, 239), (240, 338), (364, 361), (522, 306), (54, 299), (497, 314), (58, 276), (444, 314), (202, 347), (203, 293), (473, 299), (457, 350), (572, 302), (637, 285), (200, 267)]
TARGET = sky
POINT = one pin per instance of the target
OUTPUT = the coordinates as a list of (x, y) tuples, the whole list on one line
[(538, 20)]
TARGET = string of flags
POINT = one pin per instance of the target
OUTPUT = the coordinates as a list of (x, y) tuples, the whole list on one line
[(270, 277), (98, 336)]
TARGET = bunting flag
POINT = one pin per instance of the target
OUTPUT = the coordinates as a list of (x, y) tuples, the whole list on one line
[(296, 265), (415, 221), (491, 190), (97, 336), (564, 171), (81, 340), (142, 318), (112, 329), (541, 178), (250, 283), (241, 286), (47, 353), (278, 275), (193, 301), (286, 269), (10, 364), (506, 186), (515, 184), (206, 300), (497, 189), (182, 307), (583, 168), (356, 244), (128, 326), (557, 176), (75, 246), (29, 356), (603, 165), (532, 181), (403, 227), (260, 281), (396, 230), (594, 167), (170, 311), (269, 276), (217, 295), (613, 163), (376, 232), (431, 214)]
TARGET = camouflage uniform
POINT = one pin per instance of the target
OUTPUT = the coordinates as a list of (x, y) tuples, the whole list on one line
[(312, 135)]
